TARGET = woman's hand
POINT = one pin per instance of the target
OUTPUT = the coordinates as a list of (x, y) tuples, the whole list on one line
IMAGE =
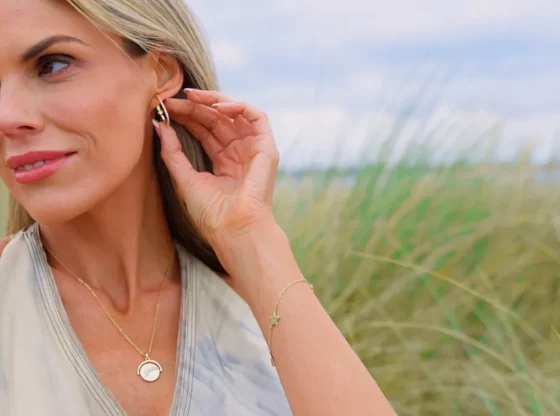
[(237, 137), (232, 209)]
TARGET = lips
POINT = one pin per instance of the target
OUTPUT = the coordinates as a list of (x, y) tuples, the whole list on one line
[(31, 158), (34, 166)]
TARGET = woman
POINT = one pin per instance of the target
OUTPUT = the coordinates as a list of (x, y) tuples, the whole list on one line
[(146, 274)]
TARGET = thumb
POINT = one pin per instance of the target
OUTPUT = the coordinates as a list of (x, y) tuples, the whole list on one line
[(175, 159)]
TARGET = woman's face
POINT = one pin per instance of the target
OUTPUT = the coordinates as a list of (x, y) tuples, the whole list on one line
[(66, 88)]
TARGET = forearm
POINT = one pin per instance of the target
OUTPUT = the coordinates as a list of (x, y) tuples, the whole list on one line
[(320, 372)]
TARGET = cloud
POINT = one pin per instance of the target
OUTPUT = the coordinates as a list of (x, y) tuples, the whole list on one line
[(438, 20), (526, 93), (367, 83), (228, 55), (327, 136), (378, 88), (335, 76), (500, 91), (331, 24)]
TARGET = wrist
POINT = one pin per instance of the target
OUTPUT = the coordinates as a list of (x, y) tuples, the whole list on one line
[(236, 241), (259, 259)]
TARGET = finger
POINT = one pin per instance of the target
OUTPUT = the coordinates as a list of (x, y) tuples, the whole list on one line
[(175, 159), (243, 126), (209, 143), (207, 97), (221, 126), (231, 108), (258, 119), (210, 98)]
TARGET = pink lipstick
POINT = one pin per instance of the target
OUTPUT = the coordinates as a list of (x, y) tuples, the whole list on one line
[(35, 166)]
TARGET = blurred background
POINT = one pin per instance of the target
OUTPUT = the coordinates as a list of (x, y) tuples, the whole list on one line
[(337, 76), (419, 180), (419, 144)]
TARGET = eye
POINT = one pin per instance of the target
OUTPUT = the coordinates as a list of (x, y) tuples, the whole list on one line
[(52, 64)]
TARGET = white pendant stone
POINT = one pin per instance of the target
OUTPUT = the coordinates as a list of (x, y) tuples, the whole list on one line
[(149, 370)]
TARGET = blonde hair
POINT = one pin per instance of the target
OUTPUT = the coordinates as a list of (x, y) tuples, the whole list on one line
[(169, 26)]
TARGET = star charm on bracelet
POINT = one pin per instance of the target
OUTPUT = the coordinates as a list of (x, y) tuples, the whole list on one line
[(274, 319)]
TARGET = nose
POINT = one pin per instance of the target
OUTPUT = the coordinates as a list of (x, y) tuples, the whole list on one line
[(19, 115)]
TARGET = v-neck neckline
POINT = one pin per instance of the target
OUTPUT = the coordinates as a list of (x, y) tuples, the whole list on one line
[(73, 348)]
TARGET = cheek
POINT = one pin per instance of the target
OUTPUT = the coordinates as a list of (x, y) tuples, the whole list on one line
[(108, 117), (105, 123)]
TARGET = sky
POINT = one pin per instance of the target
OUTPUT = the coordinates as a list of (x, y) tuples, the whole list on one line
[(339, 78)]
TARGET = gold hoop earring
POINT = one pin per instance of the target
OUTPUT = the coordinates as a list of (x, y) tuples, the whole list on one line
[(162, 113)]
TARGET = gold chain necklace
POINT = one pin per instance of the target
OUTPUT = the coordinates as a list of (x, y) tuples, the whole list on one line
[(149, 370)]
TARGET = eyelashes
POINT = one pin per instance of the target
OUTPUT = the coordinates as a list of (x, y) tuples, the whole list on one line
[(50, 65)]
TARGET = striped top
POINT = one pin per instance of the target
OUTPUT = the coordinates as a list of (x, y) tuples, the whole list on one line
[(223, 366)]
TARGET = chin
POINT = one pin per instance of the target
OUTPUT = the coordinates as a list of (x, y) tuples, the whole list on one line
[(51, 204), (53, 211), (53, 215)]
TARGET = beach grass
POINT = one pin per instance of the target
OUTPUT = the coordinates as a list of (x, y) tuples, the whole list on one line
[(445, 279)]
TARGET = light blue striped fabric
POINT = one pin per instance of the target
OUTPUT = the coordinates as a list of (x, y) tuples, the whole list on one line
[(223, 363)]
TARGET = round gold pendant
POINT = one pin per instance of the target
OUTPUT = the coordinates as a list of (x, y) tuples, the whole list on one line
[(149, 370)]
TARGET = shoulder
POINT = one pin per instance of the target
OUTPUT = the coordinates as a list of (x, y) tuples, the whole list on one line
[(4, 241), (17, 276), (14, 254), (15, 239)]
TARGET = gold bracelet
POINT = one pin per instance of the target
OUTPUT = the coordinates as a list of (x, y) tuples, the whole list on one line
[(275, 318)]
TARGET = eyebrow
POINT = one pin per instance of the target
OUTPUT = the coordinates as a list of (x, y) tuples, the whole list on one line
[(46, 43)]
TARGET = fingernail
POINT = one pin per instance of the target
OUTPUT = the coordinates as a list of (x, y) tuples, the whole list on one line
[(162, 134), (156, 125)]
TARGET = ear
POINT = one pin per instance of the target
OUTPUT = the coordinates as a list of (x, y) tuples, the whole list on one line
[(168, 74)]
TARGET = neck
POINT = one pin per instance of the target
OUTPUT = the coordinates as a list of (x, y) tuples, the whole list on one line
[(121, 248)]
